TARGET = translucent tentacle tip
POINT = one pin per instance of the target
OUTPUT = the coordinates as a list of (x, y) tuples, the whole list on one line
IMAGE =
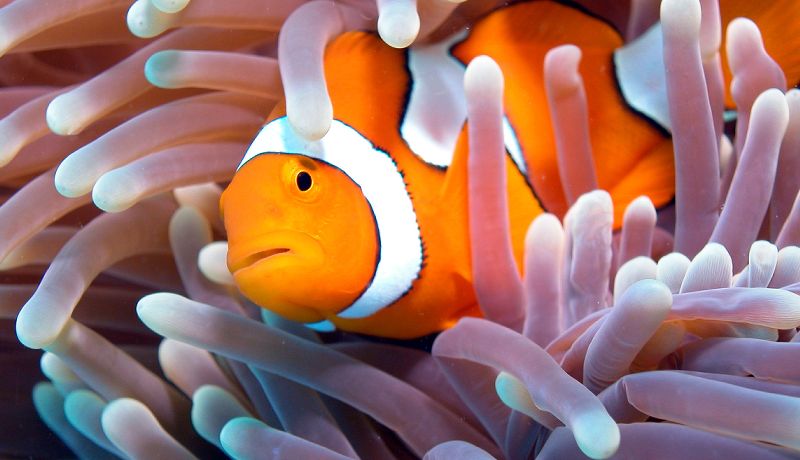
[(744, 40), (113, 193), (240, 435), (483, 77), (154, 309), (61, 115), (210, 399), (772, 103), (79, 402), (37, 325), (69, 181), (310, 113), (158, 68), (146, 21), (681, 17), (212, 263), (398, 23), (119, 413), (642, 207), (596, 434), (513, 393), (561, 64)]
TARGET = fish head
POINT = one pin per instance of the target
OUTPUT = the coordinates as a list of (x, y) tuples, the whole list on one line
[(302, 238)]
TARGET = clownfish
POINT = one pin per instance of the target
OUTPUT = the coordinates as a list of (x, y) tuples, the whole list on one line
[(366, 230)]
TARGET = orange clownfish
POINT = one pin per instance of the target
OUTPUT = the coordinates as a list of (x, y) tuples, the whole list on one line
[(366, 229)]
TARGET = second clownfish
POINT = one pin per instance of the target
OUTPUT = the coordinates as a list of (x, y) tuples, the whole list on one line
[(366, 230)]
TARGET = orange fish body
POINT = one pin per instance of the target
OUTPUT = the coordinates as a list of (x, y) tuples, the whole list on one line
[(366, 230)]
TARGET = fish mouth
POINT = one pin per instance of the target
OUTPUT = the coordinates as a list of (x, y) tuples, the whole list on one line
[(256, 257), (247, 252)]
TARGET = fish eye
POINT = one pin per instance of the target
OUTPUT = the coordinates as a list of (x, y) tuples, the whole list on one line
[(303, 180)]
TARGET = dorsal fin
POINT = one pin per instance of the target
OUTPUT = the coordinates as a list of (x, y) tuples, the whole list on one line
[(368, 82)]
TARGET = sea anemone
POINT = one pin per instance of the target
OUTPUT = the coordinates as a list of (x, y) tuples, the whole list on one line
[(673, 337)]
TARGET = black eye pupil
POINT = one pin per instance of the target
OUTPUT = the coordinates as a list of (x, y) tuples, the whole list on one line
[(303, 181)]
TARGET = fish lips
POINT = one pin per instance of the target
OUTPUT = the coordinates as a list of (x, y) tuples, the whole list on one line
[(274, 246)]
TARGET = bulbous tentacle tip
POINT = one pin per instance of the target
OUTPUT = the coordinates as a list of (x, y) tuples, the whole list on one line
[(235, 433), (155, 299), (44, 394), (150, 306), (772, 103), (212, 263), (398, 24), (681, 17), (80, 398), (60, 116), (712, 267), (595, 200), (33, 332), (146, 21), (118, 410), (310, 117), (109, 193), (596, 434), (562, 61), (642, 206), (483, 76), (158, 67), (631, 273), (206, 392), (545, 226), (68, 183), (713, 249), (507, 386), (761, 251), (55, 369), (671, 270), (649, 294), (210, 399), (743, 29)]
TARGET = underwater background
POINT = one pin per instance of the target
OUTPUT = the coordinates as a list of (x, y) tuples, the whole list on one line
[(650, 312)]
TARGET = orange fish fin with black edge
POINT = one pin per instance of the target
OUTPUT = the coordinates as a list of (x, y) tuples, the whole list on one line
[(620, 138), (780, 29), (367, 81)]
